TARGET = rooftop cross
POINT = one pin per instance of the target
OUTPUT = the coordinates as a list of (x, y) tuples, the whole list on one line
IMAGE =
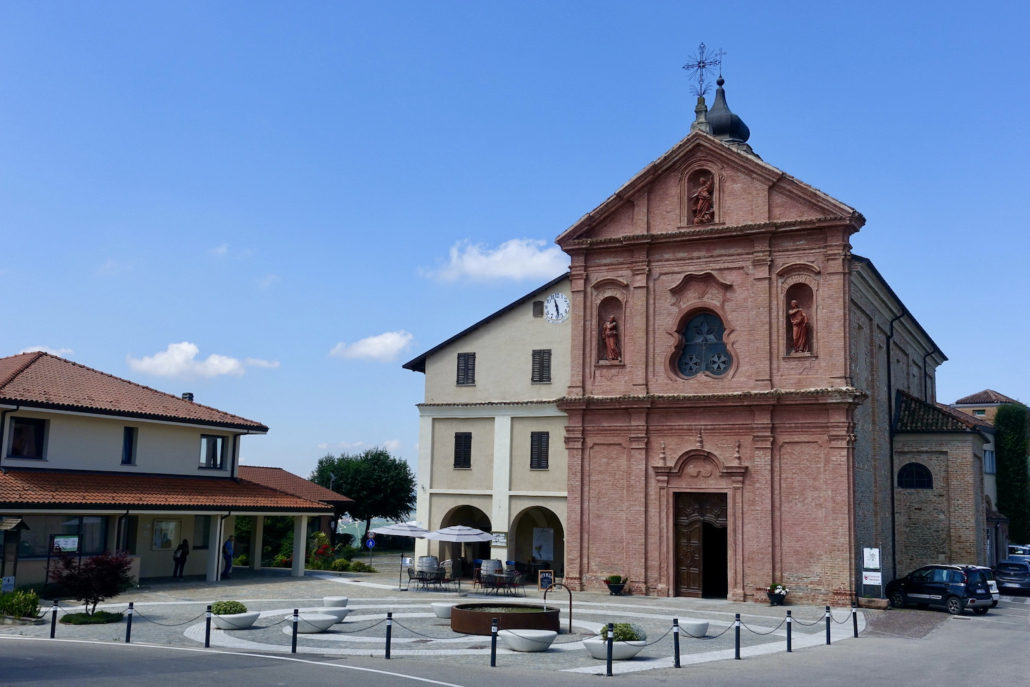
[(703, 64)]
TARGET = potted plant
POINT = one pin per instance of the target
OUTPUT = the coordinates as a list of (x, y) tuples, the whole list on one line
[(777, 593), (232, 615), (629, 640), (616, 583)]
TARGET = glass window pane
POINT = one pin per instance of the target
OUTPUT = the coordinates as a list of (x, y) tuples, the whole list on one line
[(27, 437), (201, 532)]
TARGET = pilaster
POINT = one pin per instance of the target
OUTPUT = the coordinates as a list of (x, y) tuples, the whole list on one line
[(501, 484)]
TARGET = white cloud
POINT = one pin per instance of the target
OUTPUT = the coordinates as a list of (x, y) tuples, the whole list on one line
[(381, 347), (392, 445), (62, 352), (514, 260), (220, 250), (179, 361), (268, 280)]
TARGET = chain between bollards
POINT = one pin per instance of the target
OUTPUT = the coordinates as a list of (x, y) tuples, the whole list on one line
[(296, 619), (53, 621), (827, 626), (389, 630), (611, 640), (128, 625), (736, 637), (493, 643), (790, 621), (854, 619), (676, 642), (207, 629)]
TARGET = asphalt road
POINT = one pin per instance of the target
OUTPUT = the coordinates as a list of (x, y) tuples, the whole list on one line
[(939, 651)]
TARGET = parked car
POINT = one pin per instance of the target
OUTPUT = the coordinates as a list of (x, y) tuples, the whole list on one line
[(1013, 575), (956, 587), (1018, 552), (992, 584)]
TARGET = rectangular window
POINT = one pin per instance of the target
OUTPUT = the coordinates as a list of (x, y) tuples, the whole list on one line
[(980, 413), (27, 436), (539, 446), (129, 446), (538, 308), (463, 450), (202, 532), (212, 451), (990, 463), (542, 366), (91, 531), (466, 368)]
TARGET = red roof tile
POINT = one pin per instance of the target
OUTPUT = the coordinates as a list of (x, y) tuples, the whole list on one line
[(985, 397), (47, 381), (916, 416), (51, 489), (280, 479)]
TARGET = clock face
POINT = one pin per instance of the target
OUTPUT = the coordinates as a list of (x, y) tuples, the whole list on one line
[(556, 308)]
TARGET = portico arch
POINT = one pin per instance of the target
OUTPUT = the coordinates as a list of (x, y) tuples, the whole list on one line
[(468, 516), (539, 540)]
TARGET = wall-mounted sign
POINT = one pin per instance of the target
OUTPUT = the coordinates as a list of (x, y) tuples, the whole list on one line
[(873, 579), (7, 585), (500, 539), (871, 559), (69, 543)]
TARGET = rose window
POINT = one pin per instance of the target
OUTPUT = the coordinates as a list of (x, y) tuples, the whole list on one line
[(703, 347)]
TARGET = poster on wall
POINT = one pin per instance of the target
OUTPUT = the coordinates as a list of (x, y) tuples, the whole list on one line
[(543, 543), (166, 535)]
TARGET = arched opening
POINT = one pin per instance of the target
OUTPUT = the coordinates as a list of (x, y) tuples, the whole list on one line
[(915, 476), (610, 345), (800, 325), (469, 516), (703, 347), (539, 542)]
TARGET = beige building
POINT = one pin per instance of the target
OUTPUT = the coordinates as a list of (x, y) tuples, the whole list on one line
[(491, 438)]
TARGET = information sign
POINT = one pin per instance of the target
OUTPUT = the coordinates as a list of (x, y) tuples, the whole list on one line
[(7, 585), (545, 580), (873, 579), (68, 543), (871, 559), (499, 539)]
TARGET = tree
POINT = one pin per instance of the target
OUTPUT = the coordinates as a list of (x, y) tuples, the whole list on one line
[(1011, 436), (95, 579), (381, 485)]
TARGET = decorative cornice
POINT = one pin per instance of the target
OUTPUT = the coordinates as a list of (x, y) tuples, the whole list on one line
[(837, 394)]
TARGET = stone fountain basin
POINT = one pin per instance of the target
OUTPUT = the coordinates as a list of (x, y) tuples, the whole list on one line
[(335, 601), (475, 619)]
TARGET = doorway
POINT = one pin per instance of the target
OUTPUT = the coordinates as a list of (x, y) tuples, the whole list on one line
[(701, 545)]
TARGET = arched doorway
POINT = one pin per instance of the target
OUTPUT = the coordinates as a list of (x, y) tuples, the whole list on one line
[(539, 540), (469, 516)]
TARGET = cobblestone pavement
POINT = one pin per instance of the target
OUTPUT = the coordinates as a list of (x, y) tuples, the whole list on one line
[(172, 613)]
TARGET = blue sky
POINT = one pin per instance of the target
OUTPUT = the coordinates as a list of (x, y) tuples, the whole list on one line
[(272, 183)]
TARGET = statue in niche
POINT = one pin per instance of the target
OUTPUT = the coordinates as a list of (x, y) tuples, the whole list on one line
[(701, 202), (799, 323), (610, 334)]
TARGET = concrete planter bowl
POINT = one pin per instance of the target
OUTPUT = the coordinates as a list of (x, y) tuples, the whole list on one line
[(475, 619), (235, 621), (528, 640), (335, 601), (337, 612), (442, 609), (314, 623), (621, 651), (694, 628)]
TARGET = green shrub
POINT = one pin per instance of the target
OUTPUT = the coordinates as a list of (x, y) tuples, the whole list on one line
[(341, 565), (94, 618), (358, 566), (348, 552), (20, 604), (243, 560), (227, 607), (616, 579), (345, 539), (626, 632)]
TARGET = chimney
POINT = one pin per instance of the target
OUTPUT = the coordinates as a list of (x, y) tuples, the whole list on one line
[(188, 396)]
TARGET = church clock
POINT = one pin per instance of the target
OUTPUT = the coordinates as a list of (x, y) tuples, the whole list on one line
[(556, 308)]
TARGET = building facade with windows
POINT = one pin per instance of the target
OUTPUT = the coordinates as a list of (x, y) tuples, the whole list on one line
[(491, 437), (108, 465)]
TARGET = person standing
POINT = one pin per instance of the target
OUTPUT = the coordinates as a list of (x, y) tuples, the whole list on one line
[(179, 558), (227, 552)]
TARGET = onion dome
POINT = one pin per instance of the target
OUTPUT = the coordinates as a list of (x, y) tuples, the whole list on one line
[(726, 126)]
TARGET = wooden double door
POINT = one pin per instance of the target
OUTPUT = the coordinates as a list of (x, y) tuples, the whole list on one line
[(701, 544)]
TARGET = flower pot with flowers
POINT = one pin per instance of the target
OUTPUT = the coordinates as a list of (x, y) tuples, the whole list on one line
[(777, 593), (616, 583)]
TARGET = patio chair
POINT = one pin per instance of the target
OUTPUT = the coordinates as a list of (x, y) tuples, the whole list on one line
[(477, 578), (490, 583), (517, 584), (412, 575)]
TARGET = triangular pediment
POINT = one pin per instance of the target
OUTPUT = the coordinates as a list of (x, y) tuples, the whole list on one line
[(744, 190)]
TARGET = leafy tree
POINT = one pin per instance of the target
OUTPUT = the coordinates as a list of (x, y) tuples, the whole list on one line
[(381, 485), (95, 579), (1011, 436)]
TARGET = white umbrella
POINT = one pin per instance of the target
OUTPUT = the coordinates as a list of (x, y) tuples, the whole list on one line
[(401, 529), (459, 533)]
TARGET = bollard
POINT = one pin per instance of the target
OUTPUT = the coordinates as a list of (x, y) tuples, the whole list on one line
[(827, 626), (611, 641), (389, 630), (790, 621), (493, 643), (128, 625), (207, 630), (736, 639), (676, 642), (854, 619), (296, 619), (53, 620)]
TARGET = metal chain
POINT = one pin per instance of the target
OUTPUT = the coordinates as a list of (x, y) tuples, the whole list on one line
[(660, 638), (801, 622), (360, 629), (399, 624), (257, 627), (540, 641), (763, 633), (137, 613), (841, 622)]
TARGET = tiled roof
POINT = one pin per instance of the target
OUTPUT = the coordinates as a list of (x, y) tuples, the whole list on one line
[(915, 416), (53, 489), (46, 381), (280, 479), (985, 397)]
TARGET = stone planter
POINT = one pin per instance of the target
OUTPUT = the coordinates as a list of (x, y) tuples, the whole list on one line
[(235, 621), (442, 609), (776, 599), (313, 623), (335, 601), (621, 651), (338, 612), (694, 628), (527, 640), (615, 589), (879, 604), (11, 620)]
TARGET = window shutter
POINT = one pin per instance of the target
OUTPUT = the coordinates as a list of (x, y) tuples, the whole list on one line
[(461, 368), (538, 450), (470, 374), (542, 366), (463, 449)]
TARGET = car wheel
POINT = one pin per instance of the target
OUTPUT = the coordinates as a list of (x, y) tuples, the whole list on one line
[(981, 611), (898, 599), (954, 605), (994, 604)]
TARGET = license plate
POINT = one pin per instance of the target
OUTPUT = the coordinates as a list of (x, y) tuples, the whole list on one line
[(1009, 584)]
